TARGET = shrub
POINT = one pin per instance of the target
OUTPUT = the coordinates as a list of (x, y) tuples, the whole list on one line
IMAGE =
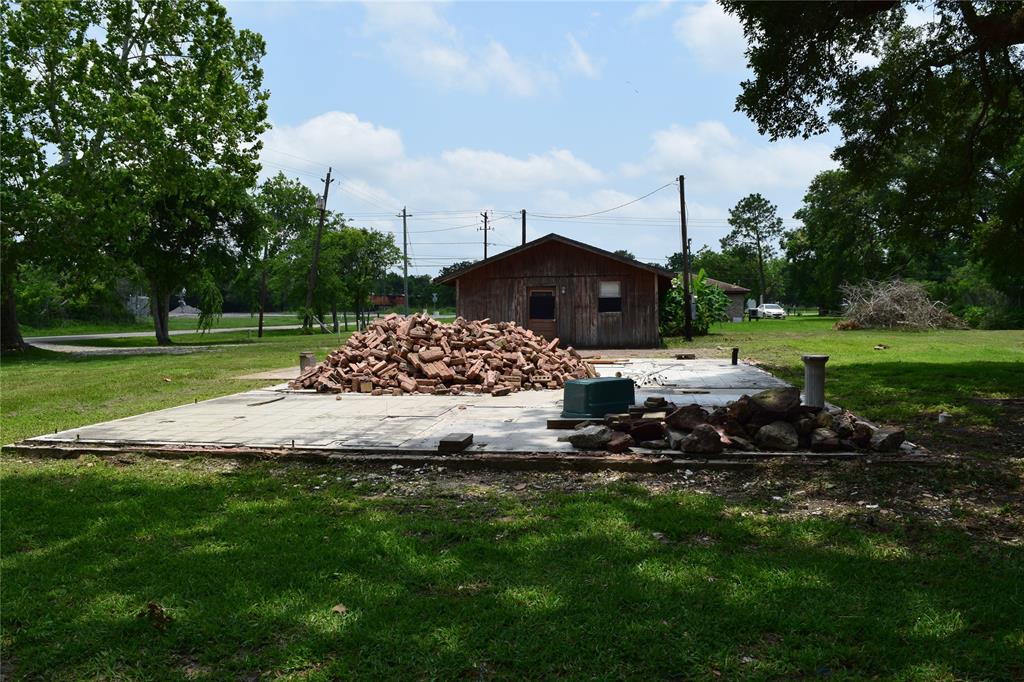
[(711, 304)]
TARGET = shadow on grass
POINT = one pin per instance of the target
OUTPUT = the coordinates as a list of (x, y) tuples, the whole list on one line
[(250, 564), (915, 392), (211, 338)]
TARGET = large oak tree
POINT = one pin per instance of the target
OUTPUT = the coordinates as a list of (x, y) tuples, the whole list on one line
[(137, 125)]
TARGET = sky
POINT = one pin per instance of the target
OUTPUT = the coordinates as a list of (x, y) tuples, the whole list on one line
[(561, 109)]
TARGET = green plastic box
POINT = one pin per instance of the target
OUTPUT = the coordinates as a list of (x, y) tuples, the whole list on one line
[(594, 398)]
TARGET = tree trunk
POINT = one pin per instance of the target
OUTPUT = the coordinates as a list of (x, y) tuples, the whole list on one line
[(263, 300), (344, 315), (159, 306), (334, 316), (10, 331)]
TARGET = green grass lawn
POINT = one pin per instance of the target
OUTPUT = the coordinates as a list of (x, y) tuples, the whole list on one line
[(182, 323), (175, 323), (42, 392), (458, 581), (917, 376), (616, 583)]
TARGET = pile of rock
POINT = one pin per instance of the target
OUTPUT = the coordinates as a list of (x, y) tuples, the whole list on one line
[(418, 354), (770, 421)]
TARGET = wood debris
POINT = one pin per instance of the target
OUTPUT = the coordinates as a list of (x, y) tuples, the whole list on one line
[(399, 355)]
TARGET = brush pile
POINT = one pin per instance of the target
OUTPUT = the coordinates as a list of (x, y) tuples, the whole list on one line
[(894, 304), (417, 354)]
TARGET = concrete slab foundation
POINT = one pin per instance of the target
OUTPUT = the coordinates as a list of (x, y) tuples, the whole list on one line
[(280, 417), (282, 423)]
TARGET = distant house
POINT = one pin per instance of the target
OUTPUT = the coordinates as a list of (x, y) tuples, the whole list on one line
[(382, 301), (737, 297), (559, 287)]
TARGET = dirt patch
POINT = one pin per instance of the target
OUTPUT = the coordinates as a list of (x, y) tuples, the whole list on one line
[(985, 502), (1003, 441)]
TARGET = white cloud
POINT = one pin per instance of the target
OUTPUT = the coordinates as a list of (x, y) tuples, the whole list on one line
[(342, 138), (579, 61), (714, 37), (405, 16), (421, 42), (492, 171), (649, 10), (377, 176), (374, 162), (717, 161)]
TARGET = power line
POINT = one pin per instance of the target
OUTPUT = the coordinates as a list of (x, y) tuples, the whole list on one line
[(613, 208)]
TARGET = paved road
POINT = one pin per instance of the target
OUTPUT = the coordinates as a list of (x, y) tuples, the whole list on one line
[(124, 335)]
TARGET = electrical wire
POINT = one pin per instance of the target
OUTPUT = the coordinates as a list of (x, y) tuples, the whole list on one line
[(613, 208)]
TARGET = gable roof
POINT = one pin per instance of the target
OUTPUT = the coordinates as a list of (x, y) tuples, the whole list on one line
[(725, 286), (452, 276)]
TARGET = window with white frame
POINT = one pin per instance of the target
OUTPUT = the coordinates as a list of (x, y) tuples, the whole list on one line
[(609, 297)]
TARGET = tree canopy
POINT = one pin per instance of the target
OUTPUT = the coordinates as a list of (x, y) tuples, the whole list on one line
[(135, 133), (929, 102), (756, 229)]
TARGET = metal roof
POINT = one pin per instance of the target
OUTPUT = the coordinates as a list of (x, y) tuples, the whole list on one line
[(660, 271)]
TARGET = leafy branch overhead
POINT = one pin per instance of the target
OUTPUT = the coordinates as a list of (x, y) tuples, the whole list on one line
[(929, 101)]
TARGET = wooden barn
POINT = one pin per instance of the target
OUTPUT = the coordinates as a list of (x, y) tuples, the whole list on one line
[(586, 296)]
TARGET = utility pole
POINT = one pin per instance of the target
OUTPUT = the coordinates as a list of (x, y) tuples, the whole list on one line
[(405, 257), (687, 300), (523, 213), (485, 229), (311, 282)]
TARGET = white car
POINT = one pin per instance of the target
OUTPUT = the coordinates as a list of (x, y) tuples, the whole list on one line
[(771, 311)]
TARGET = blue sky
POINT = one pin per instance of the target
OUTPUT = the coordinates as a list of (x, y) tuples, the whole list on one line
[(559, 108)]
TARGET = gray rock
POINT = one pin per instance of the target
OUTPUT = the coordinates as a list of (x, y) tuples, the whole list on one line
[(740, 443), (726, 423), (805, 426), (887, 440), (659, 444), (704, 440), (646, 430), (675, 439), (824, 419), (843, 424), (619, 442), (777, 401), (686, 418), (862, 434), (777, 436), (741, 409), (824, 440), (590, 437)]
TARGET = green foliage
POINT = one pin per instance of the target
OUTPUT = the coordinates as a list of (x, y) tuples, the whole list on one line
[(710, 302), (932, 126), (421, 291), (624, 254), (153, 112), (454, 267), (756, 228), (849, 236), (49, 297), (841, 241), (353, 263)]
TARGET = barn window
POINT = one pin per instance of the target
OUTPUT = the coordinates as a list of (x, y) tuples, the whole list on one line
[(609, 298)]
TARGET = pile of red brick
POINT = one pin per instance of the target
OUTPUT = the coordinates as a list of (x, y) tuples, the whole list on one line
[(418, 354)]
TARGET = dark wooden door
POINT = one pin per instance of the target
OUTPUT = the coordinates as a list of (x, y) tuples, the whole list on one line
[(542, 310)]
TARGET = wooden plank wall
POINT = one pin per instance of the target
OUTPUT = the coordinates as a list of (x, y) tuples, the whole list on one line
[(498, 291)]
